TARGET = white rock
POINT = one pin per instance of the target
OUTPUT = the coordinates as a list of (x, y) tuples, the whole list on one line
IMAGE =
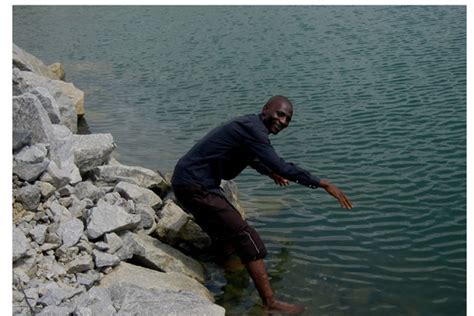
[(138, 194), (105, 218)]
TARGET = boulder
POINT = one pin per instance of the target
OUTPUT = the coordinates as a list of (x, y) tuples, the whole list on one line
[(70, 231), (59, 212), (114, 242), (106, 218), (58, 70), (88, 279), (114, 173), (55, 292), (87, 189), (70, 100), (134, 300), (47, 189), (96, 301), (31, 162), (193, 234), (58, 177), (171, 220), (27, 62), (38, 233), (49, 104), (61, 151), (29, 114), (92, 150), (29, 196), (50, 269), (20, 139), (80, 264), (148, 279), (129, 246), (103, 259), (147, 215), (159, 256), (138, 194), (231, 192), (20, 243)]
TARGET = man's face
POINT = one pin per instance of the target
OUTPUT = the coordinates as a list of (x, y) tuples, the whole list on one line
[(277, 116)]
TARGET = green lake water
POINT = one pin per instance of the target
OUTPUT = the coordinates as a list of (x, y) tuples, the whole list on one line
[(380, 110)]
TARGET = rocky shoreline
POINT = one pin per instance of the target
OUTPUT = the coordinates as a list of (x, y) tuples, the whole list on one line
[(92, 236)]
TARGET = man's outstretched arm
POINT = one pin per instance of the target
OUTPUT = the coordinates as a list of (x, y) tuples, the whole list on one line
[(338, 194)]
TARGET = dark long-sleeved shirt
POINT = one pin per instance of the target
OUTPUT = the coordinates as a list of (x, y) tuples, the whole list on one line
[(228, 149)]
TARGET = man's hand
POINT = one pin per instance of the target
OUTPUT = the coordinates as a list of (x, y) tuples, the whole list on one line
[(334, 191), (279, 180)]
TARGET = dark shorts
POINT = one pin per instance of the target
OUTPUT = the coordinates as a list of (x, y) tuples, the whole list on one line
[(221, 221)]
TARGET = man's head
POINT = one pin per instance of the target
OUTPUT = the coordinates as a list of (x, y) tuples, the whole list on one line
[(277, 114)]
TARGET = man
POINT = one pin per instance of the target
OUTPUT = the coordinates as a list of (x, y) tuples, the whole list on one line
[(223, 154)]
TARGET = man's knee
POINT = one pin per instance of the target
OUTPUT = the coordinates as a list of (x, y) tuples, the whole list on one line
[(249, 245)]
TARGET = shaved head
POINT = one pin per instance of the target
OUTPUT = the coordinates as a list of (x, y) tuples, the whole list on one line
[(278, 99), (277, 113)]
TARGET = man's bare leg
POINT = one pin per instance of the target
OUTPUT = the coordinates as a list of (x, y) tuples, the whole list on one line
[(259, 275)]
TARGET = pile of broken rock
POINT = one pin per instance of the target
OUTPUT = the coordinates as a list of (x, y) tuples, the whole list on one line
[(92, 236)]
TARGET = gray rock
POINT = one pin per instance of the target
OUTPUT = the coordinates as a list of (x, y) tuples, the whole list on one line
[(193, 234), (38, 233), (113, 198), (102, 246), (20, 139), (46, 189), (25, 61), (103, 259), (49, 104), (162, 257), (56, 176), (21, 245), (113, 241), (138, 194), (149, 279), (92, 150), (29, 196), (172, 219), (66, 191), (139, 301), (231, 192), (29, 114), (105, 218), (55, 293), (56, 311), (58, 70), (114, 173), (50, 269), (59, 212), (96, 301), (147, 215), (70, 231), (49, 246), (85, 246), (62, 152), (25, 269), (129, 246), (88, 279), (70, 100), (87, 189), (31, 162), (78, 208), (80, 264)]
